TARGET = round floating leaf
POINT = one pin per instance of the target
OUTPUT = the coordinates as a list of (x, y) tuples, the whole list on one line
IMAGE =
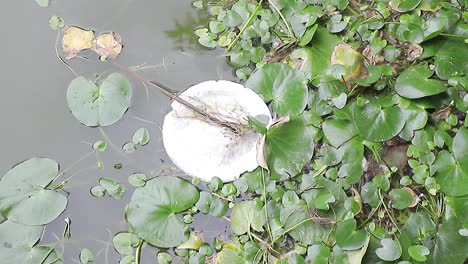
[(94, 106), (389, 251), (418, 252), (153, 209), (56, 22), (290, 146), (23, 195), (115, 189), (284, 86), (246, 215), (125, 242), (347, 237), (98, 191), (42, 3), (318, 254), (377, 123), (137, 179), (414, 83), (141, 137), (86, 256), (164, 258), (401, 198), (99, 146), (16, 241)]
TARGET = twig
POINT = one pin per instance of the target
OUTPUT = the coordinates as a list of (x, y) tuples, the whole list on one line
[(234, 127)]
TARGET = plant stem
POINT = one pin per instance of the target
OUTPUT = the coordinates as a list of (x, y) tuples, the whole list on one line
[(265, 206), (254, 14), (138, 252), (291, 34), (234, 127), (453, 35), (388, 213), (293, 227)]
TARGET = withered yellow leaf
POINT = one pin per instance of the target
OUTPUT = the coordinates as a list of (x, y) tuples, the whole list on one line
[(345, 55), (108, 45), (76, 39)]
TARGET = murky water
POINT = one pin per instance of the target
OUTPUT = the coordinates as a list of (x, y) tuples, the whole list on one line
[(36, 121)]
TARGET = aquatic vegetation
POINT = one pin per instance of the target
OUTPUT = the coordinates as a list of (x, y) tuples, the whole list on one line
[(352, 124)]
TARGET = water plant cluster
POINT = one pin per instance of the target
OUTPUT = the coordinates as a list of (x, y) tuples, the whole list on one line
[(366, 160)]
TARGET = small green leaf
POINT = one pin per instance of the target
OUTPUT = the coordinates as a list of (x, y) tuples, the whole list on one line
[(98, 191), (141, 137), (390, 250), (401, 198), (137, 179), (86, 256), (347, 237), (418, 252), (125, 242), (99, 146), (56, 22), (246, 215), (164, 258)]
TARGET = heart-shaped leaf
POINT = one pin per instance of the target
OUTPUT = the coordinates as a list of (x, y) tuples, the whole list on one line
[(152, 212), (414, 83), (125, 242), (418, 252), (99, 106), (401, 198), (316, 60), (347, 237), (338, 131), (246, 215), (17, 245), (23, 195), (290, 146), (376, 123), (285, 87), (389, 251)]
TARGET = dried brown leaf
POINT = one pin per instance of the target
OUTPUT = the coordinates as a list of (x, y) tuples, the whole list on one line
[(76, 39), (108, 45)]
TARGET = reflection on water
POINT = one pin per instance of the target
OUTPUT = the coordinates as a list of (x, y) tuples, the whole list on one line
[(36, 121)]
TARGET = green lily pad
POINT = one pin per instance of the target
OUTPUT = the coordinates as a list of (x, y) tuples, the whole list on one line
[(17, 245), (347, 237), (246, 215), (137, 179), (153, 209), (376, 123), (318, 254), (141, 137), (115, 189), (418, 252), (389, 251), (86, 256), (414, 83), (284, 87), (24, 197), (94, 106), (290, 147), (125, 242), (56, 22)]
